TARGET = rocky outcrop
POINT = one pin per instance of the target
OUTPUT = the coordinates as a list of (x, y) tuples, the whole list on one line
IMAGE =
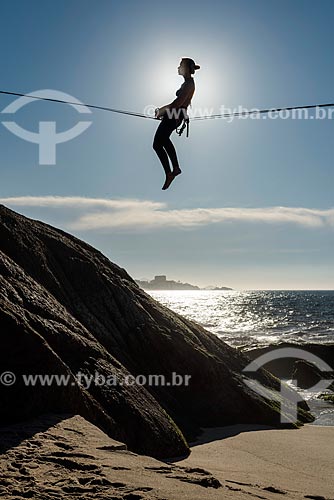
[(41, 338), (283, 367), (329, 398), (65, 308), (306, 374)]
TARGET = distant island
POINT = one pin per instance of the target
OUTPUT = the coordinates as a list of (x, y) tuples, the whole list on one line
[(161, 282)]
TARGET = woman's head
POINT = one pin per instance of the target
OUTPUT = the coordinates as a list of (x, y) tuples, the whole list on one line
[(187, 66)]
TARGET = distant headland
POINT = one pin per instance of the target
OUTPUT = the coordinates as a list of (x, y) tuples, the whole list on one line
[(161, 282)]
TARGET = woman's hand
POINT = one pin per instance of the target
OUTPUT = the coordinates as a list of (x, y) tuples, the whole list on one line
[(159, 112)]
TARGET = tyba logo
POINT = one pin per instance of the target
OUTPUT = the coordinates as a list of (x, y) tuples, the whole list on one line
[(286, 396), (47, 137)]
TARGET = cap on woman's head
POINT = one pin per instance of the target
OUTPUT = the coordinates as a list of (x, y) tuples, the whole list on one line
[(191, 64)]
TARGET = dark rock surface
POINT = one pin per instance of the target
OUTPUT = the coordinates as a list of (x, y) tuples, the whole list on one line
[(306, 374), (64, 308), (283, 368)]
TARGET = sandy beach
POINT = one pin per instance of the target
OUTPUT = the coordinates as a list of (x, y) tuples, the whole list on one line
[(59, 456), (253, 459)]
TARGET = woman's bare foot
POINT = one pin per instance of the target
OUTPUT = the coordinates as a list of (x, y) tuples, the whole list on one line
[(169, 179)]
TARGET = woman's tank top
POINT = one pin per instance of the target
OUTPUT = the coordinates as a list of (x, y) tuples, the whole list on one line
[(185, 88)]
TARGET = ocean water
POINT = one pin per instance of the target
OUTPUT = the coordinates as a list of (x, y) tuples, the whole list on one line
[(257, 318), (261, 318)]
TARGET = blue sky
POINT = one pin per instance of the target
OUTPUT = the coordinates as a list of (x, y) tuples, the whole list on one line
[(221, 221)]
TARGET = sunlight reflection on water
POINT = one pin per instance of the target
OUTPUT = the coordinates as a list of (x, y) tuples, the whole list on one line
[(260, 318), (257, 317)]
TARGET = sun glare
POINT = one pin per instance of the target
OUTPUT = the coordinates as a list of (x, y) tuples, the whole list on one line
[(210, 82)]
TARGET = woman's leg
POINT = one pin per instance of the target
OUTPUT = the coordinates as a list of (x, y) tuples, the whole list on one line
[(162, 143), (164, 148), (161, 137), (169, 147)]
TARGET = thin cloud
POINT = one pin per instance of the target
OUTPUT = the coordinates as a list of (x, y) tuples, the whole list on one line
[(125, 214), (77, 202)]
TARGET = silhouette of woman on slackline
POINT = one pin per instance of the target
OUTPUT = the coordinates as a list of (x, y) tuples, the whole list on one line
[(171, 117)]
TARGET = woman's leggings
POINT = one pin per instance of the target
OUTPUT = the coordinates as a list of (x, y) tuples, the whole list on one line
[(162, 144)]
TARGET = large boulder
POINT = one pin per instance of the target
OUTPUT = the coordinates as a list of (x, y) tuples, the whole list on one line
[(283, 367), (65, 308), (306, 375), (39, 337)]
